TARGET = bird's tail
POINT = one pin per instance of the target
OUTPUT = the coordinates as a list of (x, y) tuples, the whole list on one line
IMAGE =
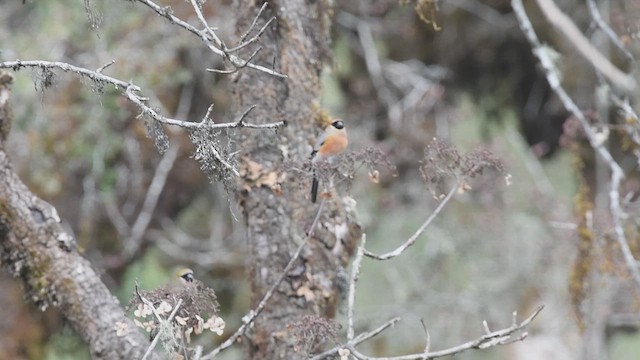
[(314, 187)]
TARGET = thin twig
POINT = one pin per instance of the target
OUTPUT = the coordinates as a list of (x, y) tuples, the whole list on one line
[(101, 68), (597, 18), (157, 315), (207, 258), (215, 37), (143, 220), (357, 340), (427, 336), (168, 320), (418, 232), (250, 317), (222, 161), (167, 13), (211, 40), (256, 36), (253, 24), (372, 61), (242, 43)]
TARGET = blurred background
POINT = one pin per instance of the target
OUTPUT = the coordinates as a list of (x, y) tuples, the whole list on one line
[(400, 75)]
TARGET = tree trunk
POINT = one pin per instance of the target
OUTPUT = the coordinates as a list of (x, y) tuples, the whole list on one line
[(35, 249), (277, 217)]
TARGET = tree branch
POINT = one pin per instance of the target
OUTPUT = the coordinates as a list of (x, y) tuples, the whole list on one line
[(617, 174), (567, 28), (400, 249), (250, 317), (606, 29), (130, 91), (213, 42), (137, 231), (35, 249), (500, 337), (355, 274)]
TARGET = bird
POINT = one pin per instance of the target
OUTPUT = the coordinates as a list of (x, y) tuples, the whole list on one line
[(183, 279), (185, 274), (331, 142)]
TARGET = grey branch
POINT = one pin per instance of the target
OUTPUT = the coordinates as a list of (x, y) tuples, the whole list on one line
[(158, 317), (212, 41), (253, 314), (617, 174), (504, 336), (355, 274), (357, 340), (399, 250), (44, 257), (141, 224), (566, 27), (606, 29), (130, 91)]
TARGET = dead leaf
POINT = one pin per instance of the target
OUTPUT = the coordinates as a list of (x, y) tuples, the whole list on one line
[(374, 176), (463, 187), (306, 292)]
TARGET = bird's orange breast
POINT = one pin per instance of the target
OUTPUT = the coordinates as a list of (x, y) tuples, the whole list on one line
[(334, 145)]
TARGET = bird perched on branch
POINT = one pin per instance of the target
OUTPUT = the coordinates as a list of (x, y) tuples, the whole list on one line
[(332, 142)]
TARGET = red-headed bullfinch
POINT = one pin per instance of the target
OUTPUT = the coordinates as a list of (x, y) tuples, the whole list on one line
[(331, 143)]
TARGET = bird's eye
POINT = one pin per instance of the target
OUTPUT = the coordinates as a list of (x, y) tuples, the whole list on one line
[(188, 277), (338, 124)]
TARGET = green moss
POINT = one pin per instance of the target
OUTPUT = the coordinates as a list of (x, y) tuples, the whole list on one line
[(149, 272), (66, 346)]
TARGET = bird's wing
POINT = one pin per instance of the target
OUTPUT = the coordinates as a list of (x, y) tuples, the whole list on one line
[(321, 139)]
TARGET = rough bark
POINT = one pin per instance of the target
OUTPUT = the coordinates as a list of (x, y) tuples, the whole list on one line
[(36, 250), (277, 217)]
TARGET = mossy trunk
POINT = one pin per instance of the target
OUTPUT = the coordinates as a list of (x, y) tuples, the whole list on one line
[(277, 217)]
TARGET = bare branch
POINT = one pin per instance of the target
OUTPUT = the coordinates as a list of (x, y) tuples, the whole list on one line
[(566, 27), (417, 234), (222, 71), (617, 174), (222, 161), (129, 91), (213, 42), (205, 258), (257, 36), (250, 317), (358, 339), (141, 224), (500, 337), (427, 343), (597, 18), (374, 67), (158, 317), (355, 274), (101, 68), (167, 13), (91, 74), (215, 37), (253, 24)]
